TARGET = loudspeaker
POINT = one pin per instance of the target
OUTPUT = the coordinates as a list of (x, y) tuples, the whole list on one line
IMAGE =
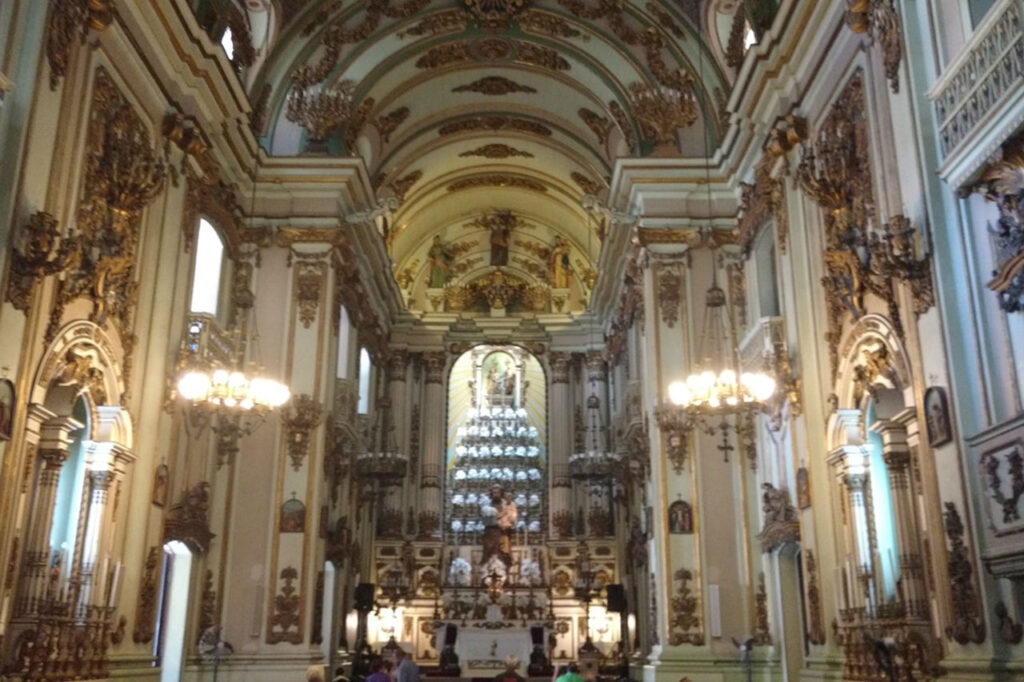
[(537, 635), (450, 633), (616, 598), (364, 596)]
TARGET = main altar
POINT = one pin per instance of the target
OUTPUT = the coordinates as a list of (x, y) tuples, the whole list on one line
[(503, 579)]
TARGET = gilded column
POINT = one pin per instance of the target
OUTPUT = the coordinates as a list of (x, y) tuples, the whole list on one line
[(432, 469), (560, 446)]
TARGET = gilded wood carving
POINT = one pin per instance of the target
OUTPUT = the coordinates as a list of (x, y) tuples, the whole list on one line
[(122, 173)]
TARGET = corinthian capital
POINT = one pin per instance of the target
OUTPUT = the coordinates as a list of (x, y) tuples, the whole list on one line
[(435, 362), (559, 363)]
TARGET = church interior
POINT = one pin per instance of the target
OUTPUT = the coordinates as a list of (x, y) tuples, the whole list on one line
[(682, 340)]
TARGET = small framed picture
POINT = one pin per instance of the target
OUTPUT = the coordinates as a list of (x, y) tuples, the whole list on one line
[(803, 489), (936, 411), (680, 518), (6, 409), (159, 497)]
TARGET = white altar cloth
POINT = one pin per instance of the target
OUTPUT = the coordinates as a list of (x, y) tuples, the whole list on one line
[(484, 650)]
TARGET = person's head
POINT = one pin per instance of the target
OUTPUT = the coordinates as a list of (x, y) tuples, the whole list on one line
[(511, 663), (573, 668), (400, 654), (562, 670), (315, 673), (496, 493), (378, 664)]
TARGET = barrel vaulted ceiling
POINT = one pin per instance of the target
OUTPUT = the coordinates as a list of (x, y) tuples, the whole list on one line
[(461, 107)]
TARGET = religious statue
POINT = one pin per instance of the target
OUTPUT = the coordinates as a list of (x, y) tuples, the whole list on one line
[(559, 270), (501, 231), (440, 256), (499, 521)]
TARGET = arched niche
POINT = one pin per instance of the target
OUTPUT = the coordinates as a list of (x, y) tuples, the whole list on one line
[(873, 370), (496, 386), (82, 362)]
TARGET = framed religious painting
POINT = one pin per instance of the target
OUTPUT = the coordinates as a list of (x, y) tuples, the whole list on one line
[(6, 409), (803, 489), (293, 516), (159, 494), (680, 518), (936, 411)]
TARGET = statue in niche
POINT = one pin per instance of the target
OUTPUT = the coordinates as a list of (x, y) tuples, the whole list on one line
[(500, 225), (559, 270), (501, 375), (499, 518), (440, 255)]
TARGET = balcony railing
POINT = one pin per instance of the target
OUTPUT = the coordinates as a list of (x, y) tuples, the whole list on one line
[(986, 75)]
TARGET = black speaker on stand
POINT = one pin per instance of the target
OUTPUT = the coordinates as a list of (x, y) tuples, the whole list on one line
[(616, 598), (363, 599), (449, 659), (539, 666)]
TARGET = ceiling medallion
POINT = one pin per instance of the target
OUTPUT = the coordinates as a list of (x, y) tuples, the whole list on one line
[(497, 180), (494, 123), (494, 86), (496, 151), (493, 49), (495, 14)]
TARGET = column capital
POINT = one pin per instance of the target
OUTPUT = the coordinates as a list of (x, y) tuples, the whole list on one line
[(435, 362), (559, 362), (397, 362), (101, 479), (596, 365), (851, 465)]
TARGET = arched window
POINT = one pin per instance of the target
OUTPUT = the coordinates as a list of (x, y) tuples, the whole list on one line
[(365, 368), (209, 264), (64, 530)]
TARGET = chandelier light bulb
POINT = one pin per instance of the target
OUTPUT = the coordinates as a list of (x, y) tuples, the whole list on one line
[(194, 386), (678, 393)]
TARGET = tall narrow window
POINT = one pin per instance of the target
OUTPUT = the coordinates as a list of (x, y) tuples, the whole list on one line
[(364, 381), (228, 43), (209, 262), (767, 292), (344, 336)]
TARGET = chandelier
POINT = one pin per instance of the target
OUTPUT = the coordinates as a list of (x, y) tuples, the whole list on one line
[(596, 460), (212, 381), (717, 389), (716, 385), (382, 460)]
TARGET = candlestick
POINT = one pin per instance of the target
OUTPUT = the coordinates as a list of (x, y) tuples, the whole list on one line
[(848, 572), (114, 584)]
